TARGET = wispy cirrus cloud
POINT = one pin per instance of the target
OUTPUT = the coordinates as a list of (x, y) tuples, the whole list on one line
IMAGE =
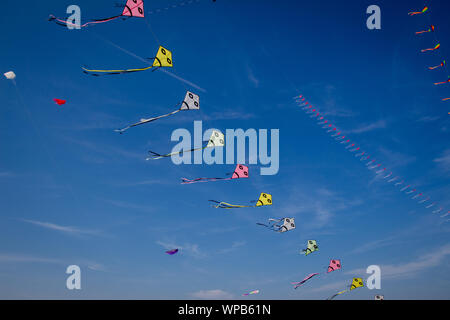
[(444, 161), (212, 294), (411, 268), (251, 77), (233, 247), (27, 258), (65, 229), (229, 116), (380, 124)]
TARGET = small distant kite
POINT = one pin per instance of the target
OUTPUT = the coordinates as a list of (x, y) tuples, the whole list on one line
[(445, 99), (240, 172), (299, 284), (311, 247), (442, 64), (217, 139), (443, 82), (172, 252), (418, 12), (379, 297), (430, 29), (133, 8), (432, 49), (190, 102), (59, 102), (10, 75), (280, 225), (251, 292), (265, 199), (163, 59)]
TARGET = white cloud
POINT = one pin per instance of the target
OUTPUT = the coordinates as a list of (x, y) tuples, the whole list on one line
[(251, 77), (212, 294), (380, 124), (233, 246), (444, 161), (65, 229), (26, 258), (411, 268)]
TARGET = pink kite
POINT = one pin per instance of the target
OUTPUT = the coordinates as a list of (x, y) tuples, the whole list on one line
[(334, 265), (241, 171), (133, 8)]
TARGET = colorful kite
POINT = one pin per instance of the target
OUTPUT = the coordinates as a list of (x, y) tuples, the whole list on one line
[(265, 199), (240, 172), (418, 12), (431, 29), (356, 283), (59, 101), (438, 66), (443, 82), (172, 252), (251, 292), (299, 284), (133, 8), (334, 265), (432, 49), (280, 225), (10, 75), (311, 247), (191, 102), (217, 139), (163, 59), (370, 162)]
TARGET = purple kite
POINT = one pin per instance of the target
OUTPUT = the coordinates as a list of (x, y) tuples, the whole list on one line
[(172, 252)]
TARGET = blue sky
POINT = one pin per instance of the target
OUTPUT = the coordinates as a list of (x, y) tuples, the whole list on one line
[(75, 192)]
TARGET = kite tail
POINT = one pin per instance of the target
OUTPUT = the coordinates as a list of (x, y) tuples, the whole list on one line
[(146, 121), (443, 82), (188, 181), (159, 156), (97, 73), (65, 23), (224, 205)]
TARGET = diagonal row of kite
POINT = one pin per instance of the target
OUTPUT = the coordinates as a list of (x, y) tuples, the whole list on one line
[(370, 162), (442, 64)]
